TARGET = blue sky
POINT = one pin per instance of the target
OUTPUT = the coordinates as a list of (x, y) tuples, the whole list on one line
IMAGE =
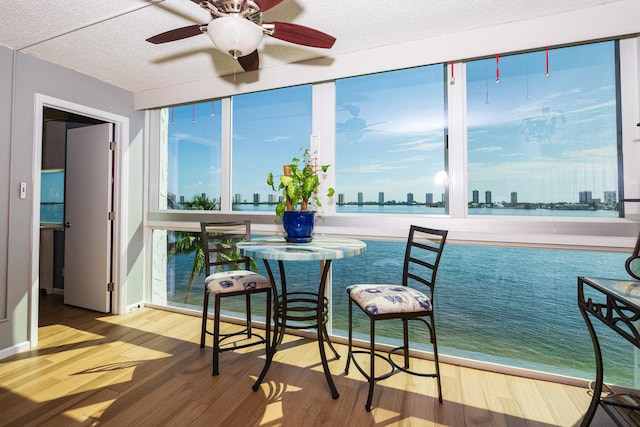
[(547, 138)]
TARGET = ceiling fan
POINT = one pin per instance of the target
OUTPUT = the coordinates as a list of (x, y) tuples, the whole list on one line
[(237, 28)]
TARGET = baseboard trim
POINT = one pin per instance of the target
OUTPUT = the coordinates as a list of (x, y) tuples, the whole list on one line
[(14, 349)]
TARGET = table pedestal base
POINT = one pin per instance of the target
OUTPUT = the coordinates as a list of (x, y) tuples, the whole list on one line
[(309, 311)]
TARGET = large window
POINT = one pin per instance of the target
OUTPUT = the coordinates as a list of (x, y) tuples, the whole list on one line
[(487, 309), (535, 145), (544, 143), (191, 160), (390, 142), (269, 129)]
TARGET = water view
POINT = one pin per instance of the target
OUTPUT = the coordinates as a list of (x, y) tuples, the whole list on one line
[(510, 306)]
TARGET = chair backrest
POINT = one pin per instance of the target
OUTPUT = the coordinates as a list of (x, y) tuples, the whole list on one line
[(422, 256), (219, 241)]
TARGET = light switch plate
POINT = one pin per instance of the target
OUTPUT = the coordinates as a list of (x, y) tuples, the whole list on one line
[(23, 190)]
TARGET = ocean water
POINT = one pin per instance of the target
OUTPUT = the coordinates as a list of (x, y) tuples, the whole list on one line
[(510, 306)]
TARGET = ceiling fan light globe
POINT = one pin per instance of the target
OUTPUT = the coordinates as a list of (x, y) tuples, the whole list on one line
[(234, 35)]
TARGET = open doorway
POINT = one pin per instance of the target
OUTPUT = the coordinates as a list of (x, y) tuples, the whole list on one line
[(119, 126), (56, 123)]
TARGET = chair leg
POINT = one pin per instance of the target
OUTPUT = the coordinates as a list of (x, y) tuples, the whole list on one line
[(216, 336), (205, 312), (405, 337), (267, 324), (248, 296), (435, 357), (349, 353), (372, 361)]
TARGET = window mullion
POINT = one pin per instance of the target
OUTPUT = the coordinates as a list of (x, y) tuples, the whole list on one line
[(457, 143), (225, 164), (323, 136)]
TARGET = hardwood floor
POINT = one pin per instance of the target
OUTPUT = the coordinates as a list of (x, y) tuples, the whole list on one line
[(145, 368)]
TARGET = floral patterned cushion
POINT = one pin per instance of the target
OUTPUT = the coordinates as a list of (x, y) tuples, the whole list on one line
[(385, 299), (235, 281)]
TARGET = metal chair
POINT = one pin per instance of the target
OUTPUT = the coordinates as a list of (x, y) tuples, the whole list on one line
[(229, 274), (392, 301)]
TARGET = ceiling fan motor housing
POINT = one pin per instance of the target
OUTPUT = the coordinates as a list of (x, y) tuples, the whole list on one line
[(246, 9)]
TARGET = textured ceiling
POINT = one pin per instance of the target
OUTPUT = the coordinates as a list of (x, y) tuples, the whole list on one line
[(106, 39)]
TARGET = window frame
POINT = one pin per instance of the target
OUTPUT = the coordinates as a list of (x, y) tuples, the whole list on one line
[(573, 233), (613, 234)]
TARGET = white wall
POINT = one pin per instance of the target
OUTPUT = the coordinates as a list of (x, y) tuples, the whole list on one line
[(5, 136), (27, 77)]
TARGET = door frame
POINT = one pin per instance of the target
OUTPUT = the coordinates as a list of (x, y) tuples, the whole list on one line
[(121, 165)]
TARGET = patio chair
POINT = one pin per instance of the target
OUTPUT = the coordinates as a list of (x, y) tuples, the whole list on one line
[(229, 274), (401, 301)]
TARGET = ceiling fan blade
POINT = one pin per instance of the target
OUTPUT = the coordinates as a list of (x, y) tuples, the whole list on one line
[(265, 5), (299, 34), (249, 62), (178, 34)]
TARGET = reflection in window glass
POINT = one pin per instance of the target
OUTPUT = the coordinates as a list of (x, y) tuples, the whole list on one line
[(269, 129), (191, 156), (544, 145), (390, 149)]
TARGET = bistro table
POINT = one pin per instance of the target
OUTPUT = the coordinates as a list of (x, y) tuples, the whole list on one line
[(305, 309)]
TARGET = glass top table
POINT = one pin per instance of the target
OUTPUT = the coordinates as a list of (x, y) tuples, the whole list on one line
[(319, 249), (616, 303), (309, 310)]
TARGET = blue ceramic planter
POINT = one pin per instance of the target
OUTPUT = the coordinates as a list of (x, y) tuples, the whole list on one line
[(298, 225)]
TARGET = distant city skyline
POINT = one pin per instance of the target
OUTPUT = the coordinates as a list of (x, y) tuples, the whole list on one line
[(584, 197)]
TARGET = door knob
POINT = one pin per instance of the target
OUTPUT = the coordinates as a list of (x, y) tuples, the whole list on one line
[(67, 225)]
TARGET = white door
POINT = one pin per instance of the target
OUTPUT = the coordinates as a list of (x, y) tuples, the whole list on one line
[(88, 230)]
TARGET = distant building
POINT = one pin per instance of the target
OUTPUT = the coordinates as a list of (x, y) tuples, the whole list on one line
[(237, 198), (429, 199), (340, 199), (381, 198), (204, 195), (256, 199), (610, 198), (409, 198), (181, 199), (360, 198), (487, 197), (514, 198), (584, 197), (476, 197), (272, 198)]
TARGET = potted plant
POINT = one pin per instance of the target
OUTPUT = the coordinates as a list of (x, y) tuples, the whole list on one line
[(299, 184)]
